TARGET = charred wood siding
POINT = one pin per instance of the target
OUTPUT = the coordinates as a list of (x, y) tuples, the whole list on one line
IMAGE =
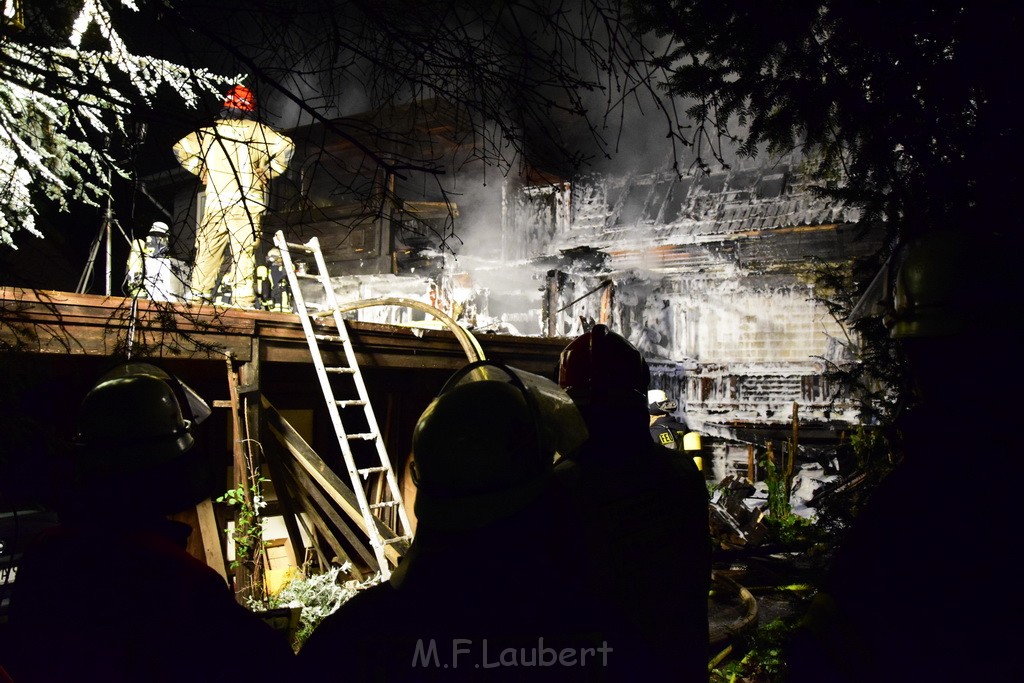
[(714, 276)]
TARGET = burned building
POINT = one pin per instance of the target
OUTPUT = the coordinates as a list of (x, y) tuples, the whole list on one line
[(711, 273), (713, 277)]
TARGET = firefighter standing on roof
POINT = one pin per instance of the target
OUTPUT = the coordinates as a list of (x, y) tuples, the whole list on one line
[(235, 158)]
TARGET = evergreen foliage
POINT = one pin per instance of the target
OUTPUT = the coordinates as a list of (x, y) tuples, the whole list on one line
[(69, 84), (910, 104)]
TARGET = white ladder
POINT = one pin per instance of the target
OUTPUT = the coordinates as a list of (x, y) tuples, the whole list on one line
[(357, 475)]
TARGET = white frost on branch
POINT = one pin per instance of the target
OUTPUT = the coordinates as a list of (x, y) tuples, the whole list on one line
[(56, 102)]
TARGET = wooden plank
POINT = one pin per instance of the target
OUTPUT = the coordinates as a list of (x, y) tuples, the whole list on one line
[(72, 309), (317, 505), (313, 514), (273, 457), (210, 534), (240, 474), (104, 340), (338, 491)]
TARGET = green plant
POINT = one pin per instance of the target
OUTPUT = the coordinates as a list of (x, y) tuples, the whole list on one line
[(784, 526), (874, 457), (318, 595), (793, 529), (870, 448), (248, 530), (250, 550), (762, 655), (778, 488)]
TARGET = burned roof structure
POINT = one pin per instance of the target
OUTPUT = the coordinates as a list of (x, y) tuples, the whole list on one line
[(711, 273), (713, 276)]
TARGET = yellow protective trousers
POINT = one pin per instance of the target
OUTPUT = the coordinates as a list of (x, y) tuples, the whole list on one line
[(237, 227)]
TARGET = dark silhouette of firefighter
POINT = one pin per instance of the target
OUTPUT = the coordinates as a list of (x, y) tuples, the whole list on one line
[(645, 508), (272, 287), (111, 594), (495, 563), (919, 587), (235, 159), (670, 432)]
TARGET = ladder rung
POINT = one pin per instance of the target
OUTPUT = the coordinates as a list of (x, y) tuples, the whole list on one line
[(366, 436), (396, 539), (314, 318)]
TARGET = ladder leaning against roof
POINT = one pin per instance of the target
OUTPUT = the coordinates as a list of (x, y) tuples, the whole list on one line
[(382, 463)]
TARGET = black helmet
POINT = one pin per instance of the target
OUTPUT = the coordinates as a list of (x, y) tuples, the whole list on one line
[(193, 408), (132, 422), (484, 448), (931, 300), (134, 449)]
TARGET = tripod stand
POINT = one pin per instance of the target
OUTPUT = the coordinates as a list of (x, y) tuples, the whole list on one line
[(105, 233)]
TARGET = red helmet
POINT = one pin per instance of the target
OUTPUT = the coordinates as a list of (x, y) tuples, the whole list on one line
[(601, 365), (241, 98)]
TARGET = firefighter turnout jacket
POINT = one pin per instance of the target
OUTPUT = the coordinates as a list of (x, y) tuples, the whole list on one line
[(235, 159)]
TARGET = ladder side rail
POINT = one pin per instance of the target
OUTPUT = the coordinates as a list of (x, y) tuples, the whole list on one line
[(382, 454), (376, 541)]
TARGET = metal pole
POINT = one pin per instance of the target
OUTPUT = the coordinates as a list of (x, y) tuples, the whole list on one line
[(106, 289), (110, 268), (83, 281)]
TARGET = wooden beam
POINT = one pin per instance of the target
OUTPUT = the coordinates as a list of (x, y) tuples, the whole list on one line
[(318, 506), (244, 578), (273, 456), (335, 487), (210, 533), (49, 322)]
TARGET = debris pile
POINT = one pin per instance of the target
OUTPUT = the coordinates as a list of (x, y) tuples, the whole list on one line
[(737, 515)]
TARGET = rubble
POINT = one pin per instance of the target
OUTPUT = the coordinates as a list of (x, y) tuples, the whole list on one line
[(735, 523)]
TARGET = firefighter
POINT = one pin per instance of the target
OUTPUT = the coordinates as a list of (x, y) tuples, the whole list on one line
[(111, 593), (665, 429), (909, 591), (646, 509), (669, 432), (272, 284), (155, 245), (493, 564), (235, 159)]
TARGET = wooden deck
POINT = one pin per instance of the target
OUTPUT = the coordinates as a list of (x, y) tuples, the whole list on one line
[(49, 322)]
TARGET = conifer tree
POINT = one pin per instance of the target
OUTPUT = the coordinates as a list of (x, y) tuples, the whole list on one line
[(68, 85)]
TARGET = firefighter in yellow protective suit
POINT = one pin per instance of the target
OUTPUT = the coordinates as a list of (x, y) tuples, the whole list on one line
[(235, 158), (154, 245)]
